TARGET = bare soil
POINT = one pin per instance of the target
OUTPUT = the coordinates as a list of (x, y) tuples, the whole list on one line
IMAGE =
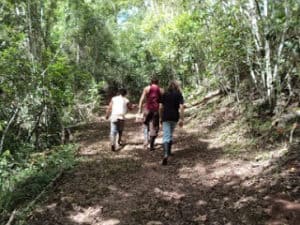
[(200, 185)]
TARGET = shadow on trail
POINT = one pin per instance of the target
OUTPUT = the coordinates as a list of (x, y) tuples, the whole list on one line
[(91, 133), (130, 187)]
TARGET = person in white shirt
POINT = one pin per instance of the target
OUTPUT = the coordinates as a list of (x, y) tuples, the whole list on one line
[(117, 109)]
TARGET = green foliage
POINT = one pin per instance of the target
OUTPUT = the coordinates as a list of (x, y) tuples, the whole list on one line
[(55, 70), (23, 176)]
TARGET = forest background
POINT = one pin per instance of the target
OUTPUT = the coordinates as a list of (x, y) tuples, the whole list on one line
[(60, 60)]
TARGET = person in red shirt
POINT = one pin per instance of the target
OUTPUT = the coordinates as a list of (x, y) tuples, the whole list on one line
[(151, 96)]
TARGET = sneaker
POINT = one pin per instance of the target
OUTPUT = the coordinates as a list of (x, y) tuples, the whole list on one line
[(165, 162), (113, 148)]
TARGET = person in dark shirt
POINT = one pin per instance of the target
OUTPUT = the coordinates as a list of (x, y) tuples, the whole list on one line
[(171, 113), (151, 96)]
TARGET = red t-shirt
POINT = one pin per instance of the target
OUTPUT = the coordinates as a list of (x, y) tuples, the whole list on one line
[(153, 98)]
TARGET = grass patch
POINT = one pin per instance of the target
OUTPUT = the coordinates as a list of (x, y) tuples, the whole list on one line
[(234, 149)]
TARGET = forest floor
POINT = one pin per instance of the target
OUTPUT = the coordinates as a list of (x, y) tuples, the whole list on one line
[(206, 181)]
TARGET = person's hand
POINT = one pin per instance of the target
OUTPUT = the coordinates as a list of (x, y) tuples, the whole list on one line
[(180, 123), (138, 118), (160, 125)]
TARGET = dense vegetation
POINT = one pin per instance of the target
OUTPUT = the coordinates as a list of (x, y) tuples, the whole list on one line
[(60, 59)]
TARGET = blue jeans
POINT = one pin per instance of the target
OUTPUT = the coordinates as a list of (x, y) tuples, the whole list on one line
[(168, 129), (116, 128)]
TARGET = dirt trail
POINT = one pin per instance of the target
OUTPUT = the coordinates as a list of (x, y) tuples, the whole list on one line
[(130, 187)]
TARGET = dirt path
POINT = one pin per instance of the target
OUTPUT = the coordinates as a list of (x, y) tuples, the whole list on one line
[(130, 187)]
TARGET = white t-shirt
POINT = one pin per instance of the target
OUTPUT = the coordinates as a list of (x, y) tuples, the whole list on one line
[(119, 108)]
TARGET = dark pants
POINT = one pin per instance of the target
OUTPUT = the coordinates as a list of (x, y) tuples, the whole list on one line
[(151, 125)]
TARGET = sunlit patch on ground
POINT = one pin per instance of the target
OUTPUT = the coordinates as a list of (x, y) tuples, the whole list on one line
[(110, 222), (167, 195), (212, 174), (89, 215)]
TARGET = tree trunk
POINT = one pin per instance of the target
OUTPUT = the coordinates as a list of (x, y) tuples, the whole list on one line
[(11, 120)]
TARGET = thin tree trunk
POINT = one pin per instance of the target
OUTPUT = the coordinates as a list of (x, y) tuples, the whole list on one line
[(289, 85), (197, 74), (253, 14), (280, 48), (77, 54), (12, 118), (237, 82), (252, 73), (30, 35), (254, 23), (268, 68)]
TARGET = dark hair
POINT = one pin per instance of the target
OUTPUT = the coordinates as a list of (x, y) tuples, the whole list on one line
[(154, 80), (122, 91), (173, 86)]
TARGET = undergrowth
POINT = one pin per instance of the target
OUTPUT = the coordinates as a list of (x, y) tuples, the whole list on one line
[(239, 128), (24, 176)]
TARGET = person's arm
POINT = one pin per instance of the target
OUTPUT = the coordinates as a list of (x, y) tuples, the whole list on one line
[(161, 110), (181, 110), (181, 114), (142, 99), (161, 91), (130, 106), (108, 111)]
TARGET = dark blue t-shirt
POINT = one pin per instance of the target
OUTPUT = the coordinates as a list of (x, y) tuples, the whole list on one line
[(171, 102)]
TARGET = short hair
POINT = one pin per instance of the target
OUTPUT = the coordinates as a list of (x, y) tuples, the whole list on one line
[(123, 91)]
